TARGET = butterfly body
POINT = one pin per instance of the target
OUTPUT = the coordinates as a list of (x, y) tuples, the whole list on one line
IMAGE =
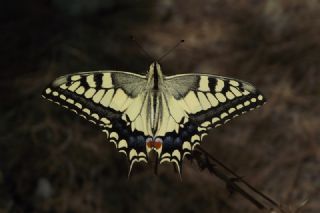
[(167, 114)]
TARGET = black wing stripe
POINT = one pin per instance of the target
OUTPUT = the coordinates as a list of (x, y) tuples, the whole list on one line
[(212, 83), (84, 83), (202, 116), (130, 140), (98, 79)]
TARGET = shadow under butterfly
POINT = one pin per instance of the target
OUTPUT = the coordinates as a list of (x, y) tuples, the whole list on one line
[(140, 114)]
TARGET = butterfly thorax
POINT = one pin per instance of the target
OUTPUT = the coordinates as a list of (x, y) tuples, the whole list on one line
[(155, 77)]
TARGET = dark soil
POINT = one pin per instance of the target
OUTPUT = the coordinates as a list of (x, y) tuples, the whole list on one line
[(53, 161)]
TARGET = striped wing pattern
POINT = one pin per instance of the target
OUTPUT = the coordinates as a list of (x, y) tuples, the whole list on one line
[(184, 109), (199, 103), (112, 100)]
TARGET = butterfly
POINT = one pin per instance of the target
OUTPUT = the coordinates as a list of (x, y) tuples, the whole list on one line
[(169, 115)]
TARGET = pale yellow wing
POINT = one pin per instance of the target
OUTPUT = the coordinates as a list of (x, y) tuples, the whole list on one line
[(112, 100), (195, 103)]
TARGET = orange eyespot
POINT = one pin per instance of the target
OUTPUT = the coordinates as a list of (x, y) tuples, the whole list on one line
[(156, 144)]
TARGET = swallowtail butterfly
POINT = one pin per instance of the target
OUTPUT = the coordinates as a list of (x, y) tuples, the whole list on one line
[(141, 113)]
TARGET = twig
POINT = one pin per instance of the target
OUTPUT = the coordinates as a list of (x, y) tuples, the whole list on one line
[(234, 182)]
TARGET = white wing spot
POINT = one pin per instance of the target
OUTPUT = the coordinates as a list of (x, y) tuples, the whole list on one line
[(186, 145), (92, 121), (48, 91), (123, 151), (193, 102), (106, 80), (141, 154), (246, 92), (74, 86), (114, 135), (95, 116), (223, 115), (165, 155), (214, 102), (204, 84), (195, 144), (235, 91), (200, 129), (63, 86), (221, 97), (215, 120), (90, 80), (234, 83), (164, 160), (90, 92), (177, 154), (206, 124), (118, 99), (70, 101), (204, 101), (86, 110), (107, 132), (75, 77), (63, 97), (231, 110), (203, 135), (239, 106), (78, 105), (230, 95), (98, 96), (80, 90), (195, 138), (122, 144), (219, 85), (132, 153), (105, 121), (105, 101)]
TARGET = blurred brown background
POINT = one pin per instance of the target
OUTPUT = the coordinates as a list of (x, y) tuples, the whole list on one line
[(53, 161)]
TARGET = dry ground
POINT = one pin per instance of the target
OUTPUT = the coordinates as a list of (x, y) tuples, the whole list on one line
[(53, 161)]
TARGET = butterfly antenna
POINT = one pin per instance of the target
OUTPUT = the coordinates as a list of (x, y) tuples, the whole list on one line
[(169, 51), (140, 46)]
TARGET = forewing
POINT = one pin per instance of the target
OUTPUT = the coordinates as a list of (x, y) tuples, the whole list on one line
[(198, 103), (109, 99)]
